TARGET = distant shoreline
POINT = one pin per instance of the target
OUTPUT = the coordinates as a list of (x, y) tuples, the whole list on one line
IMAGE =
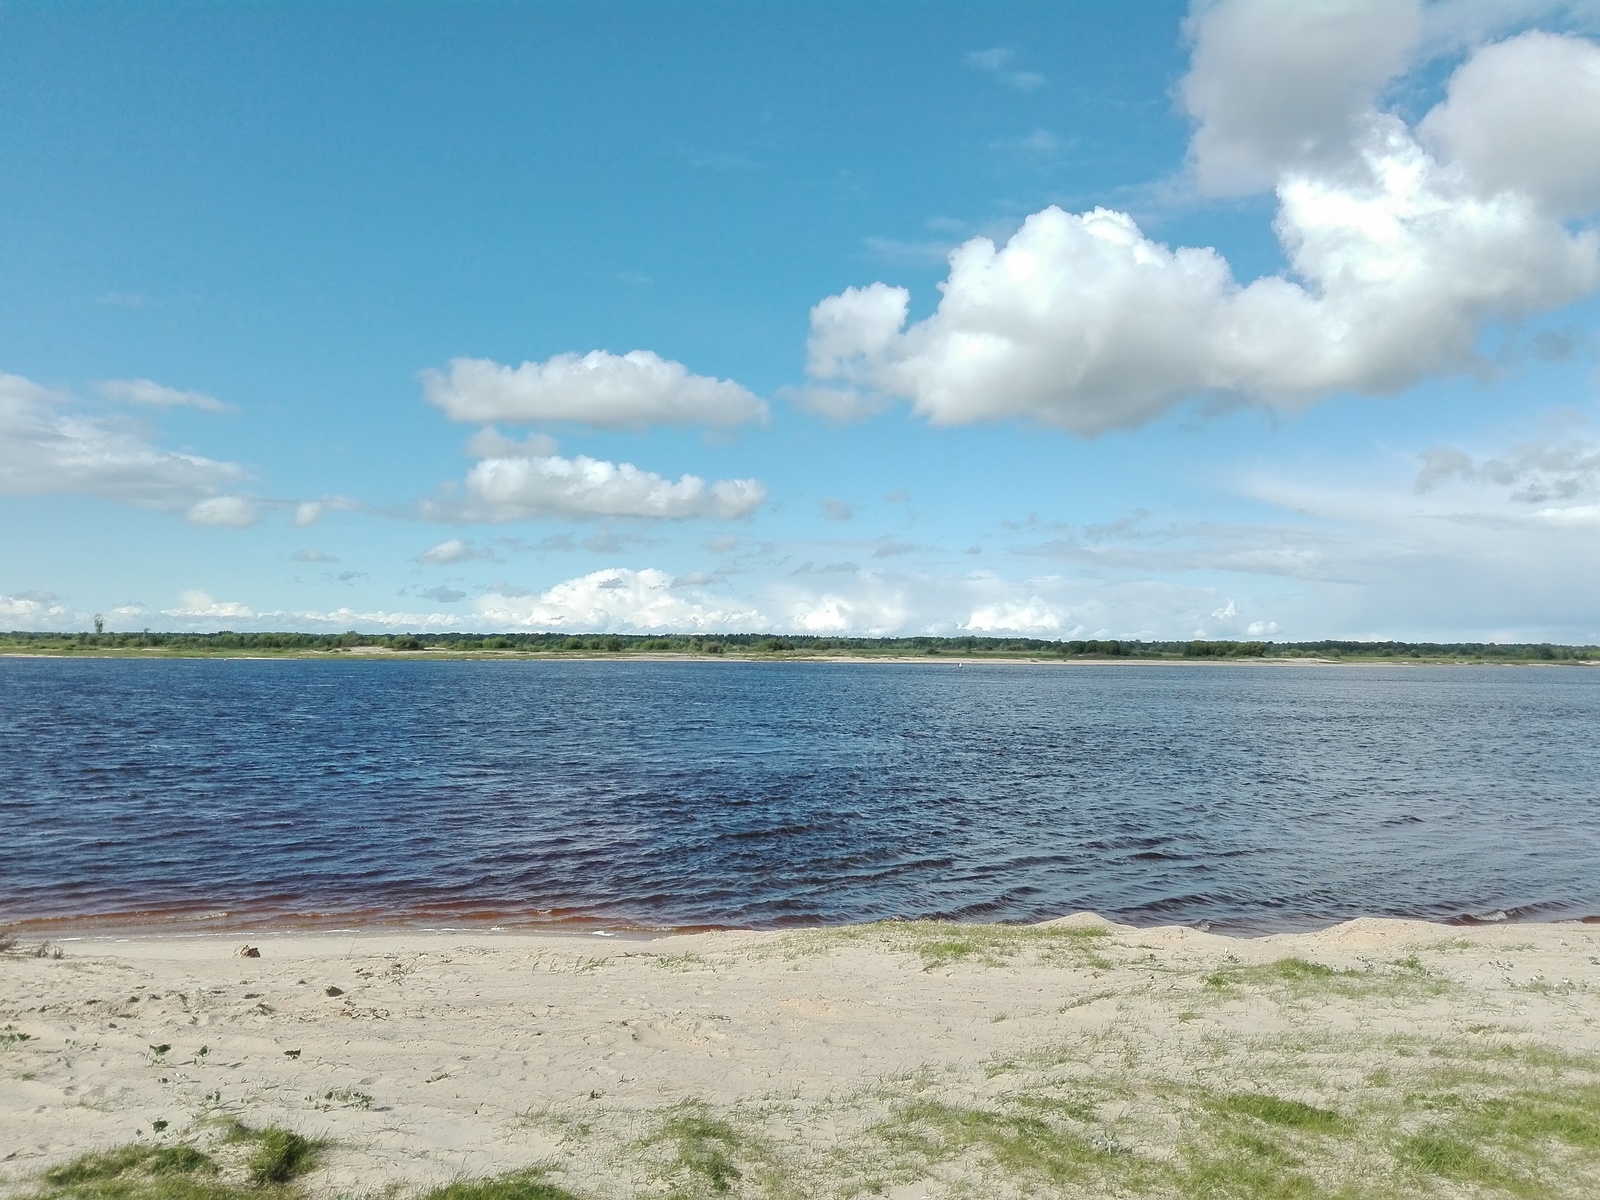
[(383, 653)]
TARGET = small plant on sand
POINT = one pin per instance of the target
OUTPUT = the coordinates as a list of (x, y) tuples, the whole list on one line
[(10, 1037), (708, 1153), (280, 1154)]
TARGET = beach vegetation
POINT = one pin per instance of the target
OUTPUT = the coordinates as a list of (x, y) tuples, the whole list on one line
[(1299, 978), (946, 943), (139, 1172), (1274, 1110), (1027, 1142), (520, 1185), (680, 962), (279, 1155), (698, 1152)]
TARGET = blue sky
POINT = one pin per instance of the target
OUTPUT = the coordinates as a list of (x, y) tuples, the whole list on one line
[(590, 317)]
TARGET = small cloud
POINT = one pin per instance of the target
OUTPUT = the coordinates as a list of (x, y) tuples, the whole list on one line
[(908, 254), (489, 442), (974, 549), (1261, 628), (722, 543), (1230, 612), (312, 556), (1040, 141), (154, 395), (309, 512), (891, 549), (198, 603), (443, 595), (997, 62), (694, 579), (837, 510), (604, 542), (835, 404), (350, 576), (233, 512), (898, 496), (453, 551)]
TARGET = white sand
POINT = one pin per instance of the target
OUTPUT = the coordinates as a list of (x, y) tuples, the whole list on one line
[(481, 1052)]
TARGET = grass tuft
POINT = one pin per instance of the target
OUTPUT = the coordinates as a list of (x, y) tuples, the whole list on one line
[(523, 1185), (1291, 1114), (281, 1155), (704, 1151)]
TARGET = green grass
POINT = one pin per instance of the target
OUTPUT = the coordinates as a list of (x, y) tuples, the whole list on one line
[(1291, 1114), (942, 944), (279, 1155), (704, 1150), (140, 1172), (1298, 978), (522, 1185)]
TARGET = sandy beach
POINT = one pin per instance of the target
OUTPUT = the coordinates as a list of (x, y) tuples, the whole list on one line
[(908, 1060)]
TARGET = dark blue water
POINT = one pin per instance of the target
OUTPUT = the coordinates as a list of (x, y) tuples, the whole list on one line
[(653, 794)]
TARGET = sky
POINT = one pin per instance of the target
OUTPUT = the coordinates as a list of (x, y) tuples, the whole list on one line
[(1246, 318)]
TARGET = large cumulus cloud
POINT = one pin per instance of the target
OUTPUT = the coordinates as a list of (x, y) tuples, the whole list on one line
[(1402, 243)]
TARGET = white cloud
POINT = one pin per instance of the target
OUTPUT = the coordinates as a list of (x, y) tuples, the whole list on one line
[(1399, 258), (1260, 629), (36, 610), (308, 512), (620, 600), (154, 395), (837, 510), (489, 442), (1524, 115), (453, 551), (312, 556), (512, 489), (199, 604), (1277, 86), (47, 449), (602, 390), (842, 405), (997, 62), (1028, 618), (233, 512)]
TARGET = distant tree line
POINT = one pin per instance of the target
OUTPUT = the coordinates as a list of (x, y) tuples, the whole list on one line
[(748, 644)]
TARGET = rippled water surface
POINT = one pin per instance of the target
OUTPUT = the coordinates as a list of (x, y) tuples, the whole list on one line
[(649, 794)]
